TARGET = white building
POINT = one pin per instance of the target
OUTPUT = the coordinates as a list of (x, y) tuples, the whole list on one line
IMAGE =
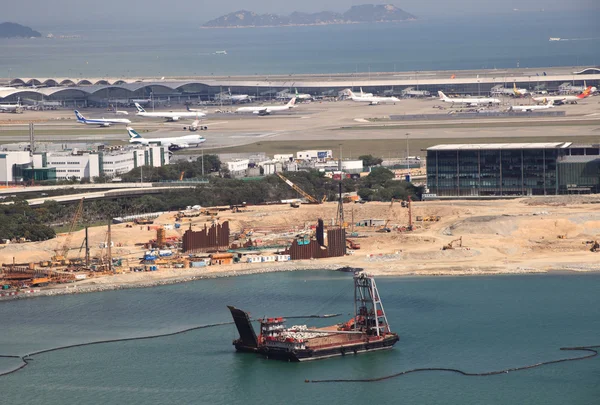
[(8, 166), (238, 167), (348, 166), (82, 164), (286, 157), (320, 155)]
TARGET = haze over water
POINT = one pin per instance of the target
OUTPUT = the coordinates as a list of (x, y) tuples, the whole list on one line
[(473, 323), (495, 41)]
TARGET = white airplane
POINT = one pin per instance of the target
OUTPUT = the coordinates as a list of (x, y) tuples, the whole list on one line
[(173, 143), (470, 101), (103, 122), (196, 126), (534, 107), (168, 115), (372, 100), (564, 99), (365, 94), (268, 109), (303, 96), (11, 107), (238, 98)]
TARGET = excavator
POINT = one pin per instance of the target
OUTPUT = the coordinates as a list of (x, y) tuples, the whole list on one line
[(451, 244)]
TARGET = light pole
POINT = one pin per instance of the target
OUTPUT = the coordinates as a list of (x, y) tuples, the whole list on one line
[(407, 154)]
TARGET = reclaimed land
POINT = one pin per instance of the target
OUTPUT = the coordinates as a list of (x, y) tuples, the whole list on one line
[(525, 235)]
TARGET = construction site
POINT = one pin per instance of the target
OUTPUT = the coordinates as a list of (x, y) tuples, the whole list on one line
[(398, 237)]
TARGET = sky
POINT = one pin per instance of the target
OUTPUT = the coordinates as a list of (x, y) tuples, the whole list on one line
[(51, 12)]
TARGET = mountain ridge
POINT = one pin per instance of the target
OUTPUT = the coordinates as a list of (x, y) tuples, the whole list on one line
[(14, 30), (365, 13)]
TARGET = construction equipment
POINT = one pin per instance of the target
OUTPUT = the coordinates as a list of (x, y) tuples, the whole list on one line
[(451, 244), (60, 255), (143, 221), (295, 204), (385, 228), (352, 244), (595, 245), (181, 176), (310, 198)]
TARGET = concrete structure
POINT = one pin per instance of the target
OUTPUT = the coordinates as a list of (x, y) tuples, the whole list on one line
[(348, 166), (512, 169)]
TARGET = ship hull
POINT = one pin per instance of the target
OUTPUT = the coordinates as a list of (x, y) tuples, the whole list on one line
[(328, 352)]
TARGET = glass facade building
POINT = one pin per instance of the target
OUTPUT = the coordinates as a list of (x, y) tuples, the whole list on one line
[(517, 169)]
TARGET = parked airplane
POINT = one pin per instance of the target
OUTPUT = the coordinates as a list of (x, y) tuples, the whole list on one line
[(470, 101), (564, 99), (268, 109), (172, 143), (372, 100), (168, 115), (534, 107), (103, 122), (11, 107), (303, 96), (365, 94), (238, 98), (519, 92), (567, 88), (195, 110)]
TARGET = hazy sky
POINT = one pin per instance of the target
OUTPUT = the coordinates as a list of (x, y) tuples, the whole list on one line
[(49, 12)]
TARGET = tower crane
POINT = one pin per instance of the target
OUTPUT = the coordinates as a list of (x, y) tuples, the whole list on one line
[(303, 193)]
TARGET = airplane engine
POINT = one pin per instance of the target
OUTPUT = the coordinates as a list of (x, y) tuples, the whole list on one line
[(175, 118), (106, 124)]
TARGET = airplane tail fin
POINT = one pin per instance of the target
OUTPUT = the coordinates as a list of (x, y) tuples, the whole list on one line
[(361, 92), (139, 108), (132, 133), (80, 118), (586, 92), (292, 102), (442, 95)]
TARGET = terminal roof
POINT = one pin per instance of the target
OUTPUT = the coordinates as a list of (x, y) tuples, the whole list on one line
[(496, 146)]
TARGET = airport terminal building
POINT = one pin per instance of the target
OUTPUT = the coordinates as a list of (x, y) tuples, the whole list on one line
[(512, 169)]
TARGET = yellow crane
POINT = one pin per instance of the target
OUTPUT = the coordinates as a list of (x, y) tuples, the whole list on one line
[(61, 254), (303, 193)]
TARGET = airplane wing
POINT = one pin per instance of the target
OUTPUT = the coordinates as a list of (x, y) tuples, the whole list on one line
[(178, 145), (262, 111)]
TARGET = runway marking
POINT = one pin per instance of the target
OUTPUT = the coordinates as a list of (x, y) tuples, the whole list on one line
[(361, 120), (269, 134)]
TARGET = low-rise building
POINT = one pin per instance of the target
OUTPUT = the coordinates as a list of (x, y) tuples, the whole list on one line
[(318, 155), (238, 167)]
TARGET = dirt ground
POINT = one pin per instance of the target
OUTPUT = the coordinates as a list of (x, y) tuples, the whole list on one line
[(498, 237)]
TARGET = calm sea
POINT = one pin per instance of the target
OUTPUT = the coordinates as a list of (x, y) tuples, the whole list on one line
[(472, 323), (495, 41)]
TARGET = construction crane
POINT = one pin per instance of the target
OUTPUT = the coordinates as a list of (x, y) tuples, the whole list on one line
[(61, 254), (303, 193)]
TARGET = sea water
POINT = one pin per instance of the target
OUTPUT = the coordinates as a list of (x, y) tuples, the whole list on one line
[(475, 324), (147, 49)]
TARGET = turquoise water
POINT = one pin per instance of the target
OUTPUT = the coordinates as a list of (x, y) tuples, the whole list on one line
[(474, 42), (472, 323)]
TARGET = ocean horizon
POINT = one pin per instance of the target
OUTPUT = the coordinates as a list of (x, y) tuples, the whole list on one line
[(461, 43)]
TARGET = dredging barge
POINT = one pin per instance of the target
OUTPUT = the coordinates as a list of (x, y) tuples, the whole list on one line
[(367, 331)]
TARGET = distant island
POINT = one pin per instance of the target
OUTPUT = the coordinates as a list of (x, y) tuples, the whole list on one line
[(13, 30), (366, 13)]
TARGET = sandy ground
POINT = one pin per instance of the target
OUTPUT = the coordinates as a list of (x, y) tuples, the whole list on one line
[(499, 237)]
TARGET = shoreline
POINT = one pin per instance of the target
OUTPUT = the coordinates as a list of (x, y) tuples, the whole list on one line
[(163, 277)]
